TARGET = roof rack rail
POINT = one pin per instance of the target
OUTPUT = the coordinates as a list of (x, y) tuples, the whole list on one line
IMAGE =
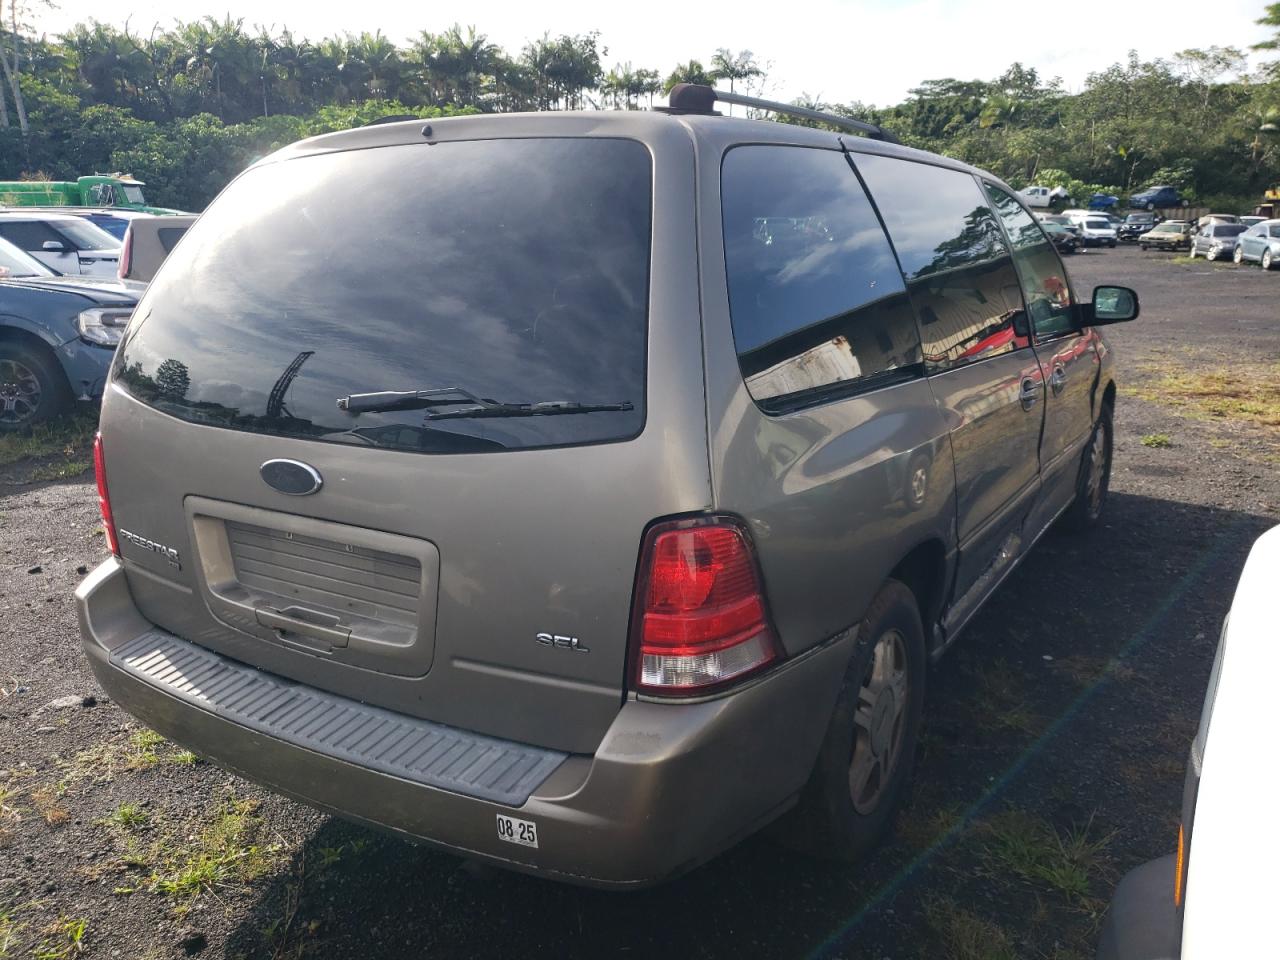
[(700, 98)]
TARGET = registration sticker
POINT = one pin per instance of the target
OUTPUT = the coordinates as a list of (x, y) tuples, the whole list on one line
[(523, 832)]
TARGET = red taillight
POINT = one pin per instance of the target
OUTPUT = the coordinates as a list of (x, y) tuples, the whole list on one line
[(104, 501), (126, 256), (700, 619)]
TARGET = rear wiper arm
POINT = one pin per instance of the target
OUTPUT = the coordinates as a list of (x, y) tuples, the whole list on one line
[(546, 408), (408, 400)]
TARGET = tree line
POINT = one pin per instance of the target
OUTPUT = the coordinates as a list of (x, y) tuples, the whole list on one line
[(186, 108)]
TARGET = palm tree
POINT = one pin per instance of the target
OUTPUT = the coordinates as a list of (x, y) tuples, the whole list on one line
[(725, 65), (691, 72)]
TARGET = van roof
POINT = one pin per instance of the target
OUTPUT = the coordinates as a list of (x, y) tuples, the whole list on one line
[(709, 130)]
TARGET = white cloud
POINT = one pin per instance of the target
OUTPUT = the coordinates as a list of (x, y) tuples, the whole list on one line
[(840, 50)]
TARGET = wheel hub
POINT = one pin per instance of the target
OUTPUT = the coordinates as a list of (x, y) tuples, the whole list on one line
[(879, 722)]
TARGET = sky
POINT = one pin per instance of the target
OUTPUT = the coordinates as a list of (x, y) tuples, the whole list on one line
[(871, 51)]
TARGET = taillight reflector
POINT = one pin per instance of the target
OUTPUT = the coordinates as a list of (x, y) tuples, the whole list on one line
[(126, 256), (104, 500), (701, 620)]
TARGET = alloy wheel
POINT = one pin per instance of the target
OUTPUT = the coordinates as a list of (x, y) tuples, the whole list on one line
[(880, 721), (1266, 259), (20, 393)]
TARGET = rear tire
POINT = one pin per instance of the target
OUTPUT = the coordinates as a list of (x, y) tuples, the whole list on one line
[(1094, 481), (869, 749), (32, 387)]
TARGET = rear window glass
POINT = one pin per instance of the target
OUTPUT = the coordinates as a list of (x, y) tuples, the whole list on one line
[(815, 296), (510, 272)]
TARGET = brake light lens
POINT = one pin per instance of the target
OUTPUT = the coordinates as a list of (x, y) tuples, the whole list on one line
[(126, 256), (104, 500), (701, 619)]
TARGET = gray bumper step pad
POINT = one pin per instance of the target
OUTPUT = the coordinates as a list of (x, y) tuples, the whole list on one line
[(417, 750)]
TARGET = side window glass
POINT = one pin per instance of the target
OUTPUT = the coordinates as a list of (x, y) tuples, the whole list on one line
[(817, 303), (958, 270), (1044, 279)]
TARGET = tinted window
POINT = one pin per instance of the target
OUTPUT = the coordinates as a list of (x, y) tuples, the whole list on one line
[(169, 237), (1229, 230), (815, 295), (959, 272), (1045, 289), (29, 234), (514, 270)]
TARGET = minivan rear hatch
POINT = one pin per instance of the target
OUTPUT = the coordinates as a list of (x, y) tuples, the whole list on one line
[(385, 424)]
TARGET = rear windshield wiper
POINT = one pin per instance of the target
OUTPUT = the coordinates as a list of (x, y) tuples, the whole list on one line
[(546, 408), (467, 403)]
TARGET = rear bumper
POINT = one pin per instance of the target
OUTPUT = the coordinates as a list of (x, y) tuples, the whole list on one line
[(670, 786), (1142, 923)]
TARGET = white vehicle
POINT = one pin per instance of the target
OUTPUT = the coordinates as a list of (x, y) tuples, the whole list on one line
[(63, 242), (1096, 229), (1215, 897), (1044, 196)]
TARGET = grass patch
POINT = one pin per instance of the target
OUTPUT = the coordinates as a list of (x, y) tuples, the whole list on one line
[(1248, 393), (1030, 847), (128, 815), (1002, 702), (920, 830), (11, 929), (62, 940), (1157, 441), (966, 936), (226, 853), (69, 436), (141, 750), (46, 801), (61, 471)]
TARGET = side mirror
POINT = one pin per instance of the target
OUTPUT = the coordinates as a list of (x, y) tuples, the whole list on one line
[(1110, 305), (54, 246)]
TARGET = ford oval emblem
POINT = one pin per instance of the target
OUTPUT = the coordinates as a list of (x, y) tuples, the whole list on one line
[(293, 477)]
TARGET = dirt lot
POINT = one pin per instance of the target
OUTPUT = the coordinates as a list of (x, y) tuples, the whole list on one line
[(1051, 760)]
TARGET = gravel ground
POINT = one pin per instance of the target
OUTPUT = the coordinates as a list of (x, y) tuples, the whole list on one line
[(1051, 761)]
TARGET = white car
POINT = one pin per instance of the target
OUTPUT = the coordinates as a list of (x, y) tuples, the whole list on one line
[(1044, 196), (1215, 897), (1096, 229), (63, 242)]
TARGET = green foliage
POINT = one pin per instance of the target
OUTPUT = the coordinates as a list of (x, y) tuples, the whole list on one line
[(187, 108)]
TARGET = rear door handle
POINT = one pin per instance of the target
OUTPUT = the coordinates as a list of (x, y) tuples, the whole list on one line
[(1029, 394), (1058, 379), (304, 623)]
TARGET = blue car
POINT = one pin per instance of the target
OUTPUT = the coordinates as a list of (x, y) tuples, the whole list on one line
[(1157, 198), (1102, 201), (1260, 244), (57, 337)]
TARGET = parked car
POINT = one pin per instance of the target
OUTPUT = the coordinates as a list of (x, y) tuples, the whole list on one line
[(1096, 231), (61, 241), (1157, 197), (1249, 221), (1216, 241), (148, 242), (1217, 218), (57, 337), (1136, 224), (365, 548), (1214, 897), (1102, 201), (1261, 244), (1170, 235), (1044, 197), (114, 221), (1065, 239)]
